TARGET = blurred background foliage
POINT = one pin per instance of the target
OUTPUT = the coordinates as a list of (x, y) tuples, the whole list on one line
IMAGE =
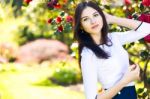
[(24, 21)]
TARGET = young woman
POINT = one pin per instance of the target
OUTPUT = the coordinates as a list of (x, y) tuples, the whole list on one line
[(101, 54)]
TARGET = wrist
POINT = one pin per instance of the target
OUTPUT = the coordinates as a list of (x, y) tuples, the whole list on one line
[(123, 82)]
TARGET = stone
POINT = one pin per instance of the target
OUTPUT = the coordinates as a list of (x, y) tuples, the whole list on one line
[(42, 50)]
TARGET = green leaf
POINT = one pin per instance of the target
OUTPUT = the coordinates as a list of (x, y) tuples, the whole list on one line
[(62, 13), (140, 90), (141, 7), (144, 54)]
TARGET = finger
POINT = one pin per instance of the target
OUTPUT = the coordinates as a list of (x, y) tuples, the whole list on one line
[(137, 67), (132, 67)]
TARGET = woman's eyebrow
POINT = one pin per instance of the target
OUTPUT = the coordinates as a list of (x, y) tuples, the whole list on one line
[(84, 17), (95, 12), (87, 16)]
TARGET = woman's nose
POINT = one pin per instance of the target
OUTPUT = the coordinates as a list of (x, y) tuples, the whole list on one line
[(92, 20)]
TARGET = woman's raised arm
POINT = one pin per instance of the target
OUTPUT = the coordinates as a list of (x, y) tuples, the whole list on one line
[(139, 29)]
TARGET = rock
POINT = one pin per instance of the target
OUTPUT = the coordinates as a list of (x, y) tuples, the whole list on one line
[(41, 50), (7, 52)]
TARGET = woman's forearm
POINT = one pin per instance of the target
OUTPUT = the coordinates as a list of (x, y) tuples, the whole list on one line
[(110, 93), (131, 75), (129, 23)]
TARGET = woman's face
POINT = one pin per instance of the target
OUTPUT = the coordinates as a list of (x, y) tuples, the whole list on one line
[(91, 21)]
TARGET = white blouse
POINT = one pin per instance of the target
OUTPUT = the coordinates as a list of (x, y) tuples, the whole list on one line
[(109, 71)]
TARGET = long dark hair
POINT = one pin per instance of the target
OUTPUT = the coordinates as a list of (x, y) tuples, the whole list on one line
[(84, 39)]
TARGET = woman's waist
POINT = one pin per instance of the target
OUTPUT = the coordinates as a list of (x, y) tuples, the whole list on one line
[(109, 85)]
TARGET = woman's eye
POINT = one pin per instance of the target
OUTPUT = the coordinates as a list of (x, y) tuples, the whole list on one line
[(96, 15), (85, 19)]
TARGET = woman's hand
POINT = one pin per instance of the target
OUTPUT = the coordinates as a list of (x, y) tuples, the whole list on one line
[(132, 74)]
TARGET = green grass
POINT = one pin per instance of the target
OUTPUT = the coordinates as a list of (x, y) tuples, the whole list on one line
[(4, 92), (21, 85), (30, 83)]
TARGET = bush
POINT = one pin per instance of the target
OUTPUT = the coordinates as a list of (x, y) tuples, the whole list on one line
[(66, 73), (43, 82)]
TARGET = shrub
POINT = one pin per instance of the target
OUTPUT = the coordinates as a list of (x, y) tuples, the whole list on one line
[(66, 73)]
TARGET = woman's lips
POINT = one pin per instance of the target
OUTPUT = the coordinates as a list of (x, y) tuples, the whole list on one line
[(95, 26)]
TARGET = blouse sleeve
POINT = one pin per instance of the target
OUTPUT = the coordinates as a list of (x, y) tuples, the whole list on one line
[(133, 35), (89, 74)]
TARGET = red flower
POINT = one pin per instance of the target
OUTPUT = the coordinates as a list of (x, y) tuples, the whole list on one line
[(27, 1), (65, 1), (147, 38), (146, 2), (60, 28), (57, 6), (127, 2), (69, 18), (130, 17), (50, 21), (58, 19), (145, 17)]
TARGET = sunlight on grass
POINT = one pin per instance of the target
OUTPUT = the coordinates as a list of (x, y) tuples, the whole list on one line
[(19, 85), (5, 93), (31, 83)]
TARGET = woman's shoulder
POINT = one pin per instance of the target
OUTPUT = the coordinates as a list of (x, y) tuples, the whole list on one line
[(86, 51), (114, 35)]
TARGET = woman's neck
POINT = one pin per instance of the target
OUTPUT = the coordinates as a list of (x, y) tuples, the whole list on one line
[(97, 38)]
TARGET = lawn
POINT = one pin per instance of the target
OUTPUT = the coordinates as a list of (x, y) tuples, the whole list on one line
[(21, 84), (29, 83)]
